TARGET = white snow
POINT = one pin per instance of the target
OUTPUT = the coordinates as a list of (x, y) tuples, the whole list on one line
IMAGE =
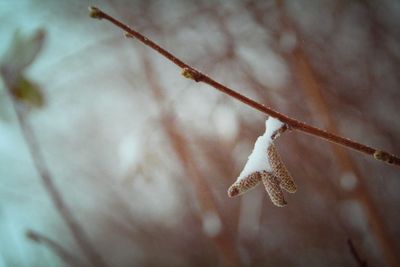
[(288, 41), (211, 224), (348, 181), (129, 153), (258, 160), (225, 123)]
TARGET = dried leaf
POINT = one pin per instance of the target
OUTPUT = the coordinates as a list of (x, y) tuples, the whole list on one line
[(28, 93)]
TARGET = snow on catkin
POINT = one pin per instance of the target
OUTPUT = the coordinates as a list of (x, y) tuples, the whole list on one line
[(258, 159)]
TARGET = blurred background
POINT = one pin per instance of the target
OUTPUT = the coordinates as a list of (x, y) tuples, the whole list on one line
[(142, 157)]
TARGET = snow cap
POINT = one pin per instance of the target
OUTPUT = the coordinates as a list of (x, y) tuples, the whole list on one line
[(258, 159)]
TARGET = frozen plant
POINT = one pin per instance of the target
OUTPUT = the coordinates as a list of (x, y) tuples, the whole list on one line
[(264, 164), (193, 74)]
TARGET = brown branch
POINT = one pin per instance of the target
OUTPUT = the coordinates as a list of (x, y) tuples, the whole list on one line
[(191, 73), (354, 253), (223, 240), (309, 82)]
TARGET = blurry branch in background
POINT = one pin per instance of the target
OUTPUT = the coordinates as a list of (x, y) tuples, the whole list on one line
[(310, 84), (23, 94), (66, 256), (222, 239), (354, 253), (191, 73)]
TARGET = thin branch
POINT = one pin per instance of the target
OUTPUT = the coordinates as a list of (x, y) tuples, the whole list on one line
[(65, 255), (191, 73), (223, 240), (354, 253), (55, 195)]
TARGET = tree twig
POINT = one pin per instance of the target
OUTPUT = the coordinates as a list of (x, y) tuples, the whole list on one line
[(55, 195), (223, 240), (192, 73), (354, 253), (65, 255), (311, 85)]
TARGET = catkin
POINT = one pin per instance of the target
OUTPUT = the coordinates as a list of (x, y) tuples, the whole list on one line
[(274, 191), (285, 180), (245, 184)]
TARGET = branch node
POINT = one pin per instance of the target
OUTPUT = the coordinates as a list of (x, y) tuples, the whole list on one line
[(95, 13), (32, 236), (383, 156), (191, 74), (128, 35), (280, 131)]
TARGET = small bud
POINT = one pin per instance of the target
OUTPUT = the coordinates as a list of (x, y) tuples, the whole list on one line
[(384, 156), (32, 236), (187, 73), (128, 35), (95, 13), (191, 74)]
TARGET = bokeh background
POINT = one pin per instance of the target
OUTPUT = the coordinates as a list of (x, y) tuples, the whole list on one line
[(143, 157)]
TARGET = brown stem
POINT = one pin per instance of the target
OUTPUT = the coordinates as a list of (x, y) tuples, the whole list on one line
[(223, 241), (191, 73), (308, 81), (356, 256)]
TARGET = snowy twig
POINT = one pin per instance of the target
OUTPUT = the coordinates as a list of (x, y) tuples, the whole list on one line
[(264, 164), (191, 73)]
